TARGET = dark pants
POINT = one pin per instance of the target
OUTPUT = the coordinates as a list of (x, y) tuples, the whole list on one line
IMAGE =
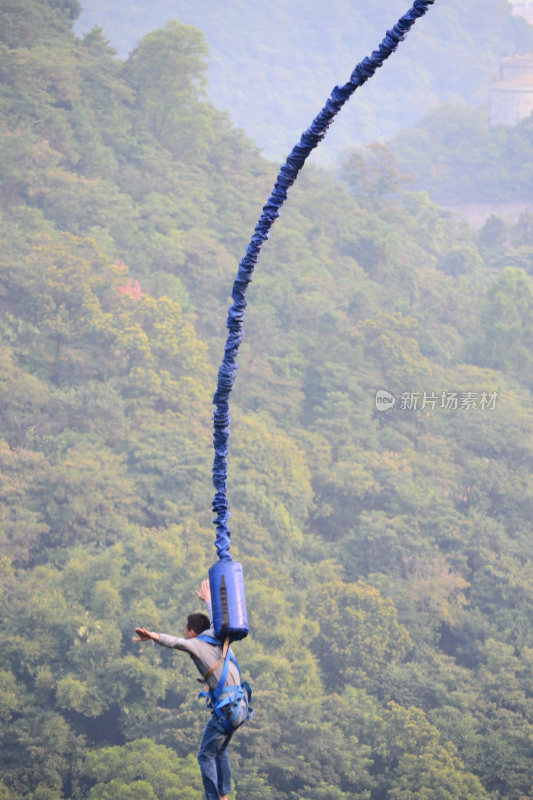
[(213, 757)]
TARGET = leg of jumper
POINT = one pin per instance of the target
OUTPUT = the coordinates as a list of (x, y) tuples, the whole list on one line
[(222, 759), (214, 742), (224, 768)]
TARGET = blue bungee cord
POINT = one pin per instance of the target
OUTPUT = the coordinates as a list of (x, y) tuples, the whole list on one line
[(286, 177)]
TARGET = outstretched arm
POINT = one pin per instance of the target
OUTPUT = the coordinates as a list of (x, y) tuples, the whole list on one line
[(144, 635)]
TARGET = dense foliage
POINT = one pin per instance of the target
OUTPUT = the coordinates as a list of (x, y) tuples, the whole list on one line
[(458, 157), (272, 64), (386, 552)]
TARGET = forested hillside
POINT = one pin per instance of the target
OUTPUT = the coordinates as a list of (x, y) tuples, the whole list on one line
[(387, 553), (271, 64), (458, 157)]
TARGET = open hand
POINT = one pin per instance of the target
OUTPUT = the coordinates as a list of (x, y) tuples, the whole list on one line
[(205, 592), (145, 635)]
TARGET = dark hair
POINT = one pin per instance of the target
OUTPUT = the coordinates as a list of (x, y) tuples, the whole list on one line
[(198, 623)]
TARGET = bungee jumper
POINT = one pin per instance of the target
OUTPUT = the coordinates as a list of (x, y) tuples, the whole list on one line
[(207, 640), (227, 696)]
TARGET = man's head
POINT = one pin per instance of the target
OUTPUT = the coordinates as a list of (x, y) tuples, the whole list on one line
[(195, 625)]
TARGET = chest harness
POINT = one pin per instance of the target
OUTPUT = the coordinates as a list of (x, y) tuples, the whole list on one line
[(225, 701)]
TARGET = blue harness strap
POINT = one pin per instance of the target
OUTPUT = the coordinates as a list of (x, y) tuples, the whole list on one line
[(225, 701)]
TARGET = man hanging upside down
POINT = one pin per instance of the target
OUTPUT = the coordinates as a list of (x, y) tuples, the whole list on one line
[(229, 703)]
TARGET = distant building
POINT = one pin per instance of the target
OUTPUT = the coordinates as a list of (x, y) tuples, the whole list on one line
[(523, 8), (511, 98), (516, 65)]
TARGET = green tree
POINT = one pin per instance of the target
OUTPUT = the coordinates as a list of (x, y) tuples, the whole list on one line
[(507, 322), (418, 764), (22, 522), (392, 340), (167, 71), (371, 174), (40, 750), (359, 634), (141, 770)]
